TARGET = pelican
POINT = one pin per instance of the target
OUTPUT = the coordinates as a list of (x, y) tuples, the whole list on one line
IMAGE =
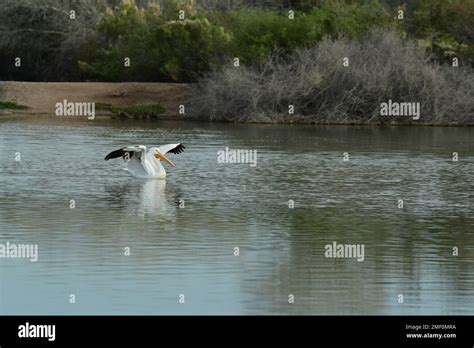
[(143, 162)]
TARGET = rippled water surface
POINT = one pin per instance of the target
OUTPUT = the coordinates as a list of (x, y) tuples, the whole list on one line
[(190, 250)]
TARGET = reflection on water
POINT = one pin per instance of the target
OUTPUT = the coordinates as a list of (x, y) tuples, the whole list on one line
[(153, 198), (182, 232)]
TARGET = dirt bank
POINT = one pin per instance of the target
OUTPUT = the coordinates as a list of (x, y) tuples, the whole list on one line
[(40, 98)]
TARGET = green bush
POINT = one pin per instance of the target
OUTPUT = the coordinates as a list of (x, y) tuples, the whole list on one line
[(258, 33), (164, 48), (11, 105), (160, 46), (152, 110), (445, 28)]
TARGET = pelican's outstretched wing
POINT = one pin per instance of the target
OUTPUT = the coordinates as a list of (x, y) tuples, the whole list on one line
[(172, 148), (126, 150)]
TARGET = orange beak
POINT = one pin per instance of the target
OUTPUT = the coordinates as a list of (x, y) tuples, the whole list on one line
[(164, 159)]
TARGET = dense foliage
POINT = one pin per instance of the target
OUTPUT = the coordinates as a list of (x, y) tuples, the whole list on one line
[(321, 89), (258, 33), (162, 47), (446, 28), (159, 45), (44, 38)]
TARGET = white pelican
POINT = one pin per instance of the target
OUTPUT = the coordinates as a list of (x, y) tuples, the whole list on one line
[(146, 163)]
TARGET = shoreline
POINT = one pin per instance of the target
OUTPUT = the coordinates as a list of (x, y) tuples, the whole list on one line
[(40, 99), (13, 115)]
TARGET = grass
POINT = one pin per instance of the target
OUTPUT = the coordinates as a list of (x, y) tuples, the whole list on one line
[(11, 105), (151, 110)]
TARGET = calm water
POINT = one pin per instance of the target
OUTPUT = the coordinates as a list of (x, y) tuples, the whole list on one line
[(190, 250)]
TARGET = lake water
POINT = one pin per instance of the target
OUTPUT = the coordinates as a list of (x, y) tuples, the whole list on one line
[(190, 250)]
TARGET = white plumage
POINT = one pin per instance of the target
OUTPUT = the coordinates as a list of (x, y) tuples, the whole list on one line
[(143, 162)]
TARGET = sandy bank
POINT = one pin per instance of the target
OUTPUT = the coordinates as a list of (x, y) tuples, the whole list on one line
[(41, 97)]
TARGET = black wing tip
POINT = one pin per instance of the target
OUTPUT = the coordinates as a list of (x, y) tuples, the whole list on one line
[(178, 149), (114, 154)]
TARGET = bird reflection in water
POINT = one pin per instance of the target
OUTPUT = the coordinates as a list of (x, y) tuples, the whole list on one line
[(145, 198)]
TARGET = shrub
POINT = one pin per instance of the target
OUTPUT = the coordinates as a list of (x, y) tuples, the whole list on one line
[(446, 28), (160, 47), (140, 110), (44, 37), (11, 105), (163, 48), (322, 90), (258, 33)]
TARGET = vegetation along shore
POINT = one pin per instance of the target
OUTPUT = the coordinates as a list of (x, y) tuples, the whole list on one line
[(300, 61)]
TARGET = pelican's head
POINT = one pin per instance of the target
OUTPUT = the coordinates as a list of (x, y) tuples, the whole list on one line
[(162, 157)]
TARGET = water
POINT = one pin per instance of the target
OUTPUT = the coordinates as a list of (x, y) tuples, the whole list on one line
[(190, 250)]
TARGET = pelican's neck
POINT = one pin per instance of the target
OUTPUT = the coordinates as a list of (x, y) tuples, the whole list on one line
[(161, 169), (154, 167)]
